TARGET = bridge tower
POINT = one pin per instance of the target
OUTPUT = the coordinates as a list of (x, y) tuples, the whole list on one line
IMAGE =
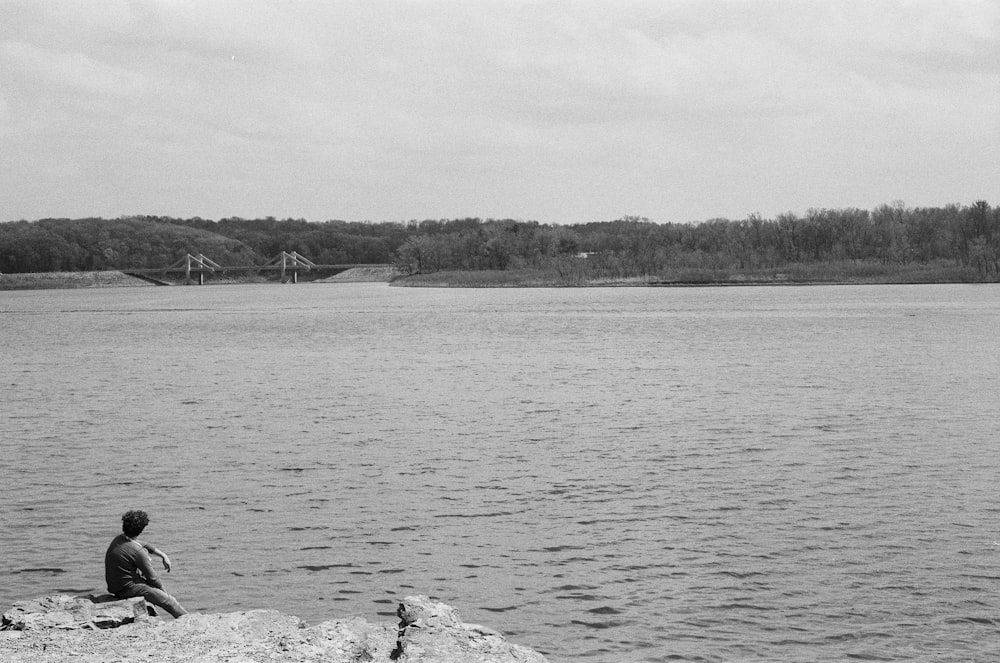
[(198, 264), (291, 262)]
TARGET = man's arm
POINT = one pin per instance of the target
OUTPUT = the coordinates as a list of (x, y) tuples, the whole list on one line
[(145, 566), (159, 553)]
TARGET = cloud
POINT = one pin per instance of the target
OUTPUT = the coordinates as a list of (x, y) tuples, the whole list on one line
[(520, 103), (69, 72)]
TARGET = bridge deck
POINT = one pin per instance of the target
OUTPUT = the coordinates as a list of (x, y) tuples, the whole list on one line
[(249, 268)]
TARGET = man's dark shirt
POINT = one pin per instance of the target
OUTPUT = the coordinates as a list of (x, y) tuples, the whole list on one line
[(127, 563)]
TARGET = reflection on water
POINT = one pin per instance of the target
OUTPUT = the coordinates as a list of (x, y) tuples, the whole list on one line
[(612, 474)]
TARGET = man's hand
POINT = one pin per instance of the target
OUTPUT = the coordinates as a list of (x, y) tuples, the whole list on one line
[(159, 553)]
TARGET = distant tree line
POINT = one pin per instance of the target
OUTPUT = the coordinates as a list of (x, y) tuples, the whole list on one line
[(890, 235), (52, 245), (967, 237)]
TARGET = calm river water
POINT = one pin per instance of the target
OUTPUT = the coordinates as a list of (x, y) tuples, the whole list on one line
[(608, 474)]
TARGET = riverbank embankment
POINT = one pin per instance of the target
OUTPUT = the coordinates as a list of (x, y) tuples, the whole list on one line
[(835, 274), (118, 279), (580, 275), (68, 280)]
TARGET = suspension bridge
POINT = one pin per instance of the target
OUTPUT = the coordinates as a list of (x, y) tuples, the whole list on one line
[(195, 269)]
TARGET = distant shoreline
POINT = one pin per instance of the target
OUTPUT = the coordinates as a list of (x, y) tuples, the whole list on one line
[(119, 279), (797, 275), (525, 278), (70, 280)]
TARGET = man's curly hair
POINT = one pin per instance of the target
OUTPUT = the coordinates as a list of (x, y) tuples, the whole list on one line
[(134, 522)]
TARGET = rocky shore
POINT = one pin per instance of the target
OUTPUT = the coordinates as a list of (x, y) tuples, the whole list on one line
[(58, 629)]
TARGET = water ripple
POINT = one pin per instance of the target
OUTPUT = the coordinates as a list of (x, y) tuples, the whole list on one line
[(604, 474)]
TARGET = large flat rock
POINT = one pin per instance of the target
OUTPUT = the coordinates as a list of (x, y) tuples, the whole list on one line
[(69, 612)]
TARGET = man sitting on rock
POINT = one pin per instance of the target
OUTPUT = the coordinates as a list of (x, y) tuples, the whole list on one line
[(128, 567)]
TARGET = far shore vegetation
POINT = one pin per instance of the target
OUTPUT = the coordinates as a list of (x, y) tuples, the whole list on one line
[(848, 272), (889, 244)]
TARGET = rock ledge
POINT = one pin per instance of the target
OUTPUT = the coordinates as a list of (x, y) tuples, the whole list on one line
[(57, 629)]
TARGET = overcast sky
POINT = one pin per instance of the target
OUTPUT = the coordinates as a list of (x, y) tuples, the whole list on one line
[(559, 112)]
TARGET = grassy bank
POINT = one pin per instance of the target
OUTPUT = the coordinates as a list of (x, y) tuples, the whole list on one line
[(54, 280), (825, 273), (846, 272), (114, 279), (100, 279)]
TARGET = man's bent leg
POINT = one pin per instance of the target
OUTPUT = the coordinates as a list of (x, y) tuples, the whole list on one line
[(157, 597)]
